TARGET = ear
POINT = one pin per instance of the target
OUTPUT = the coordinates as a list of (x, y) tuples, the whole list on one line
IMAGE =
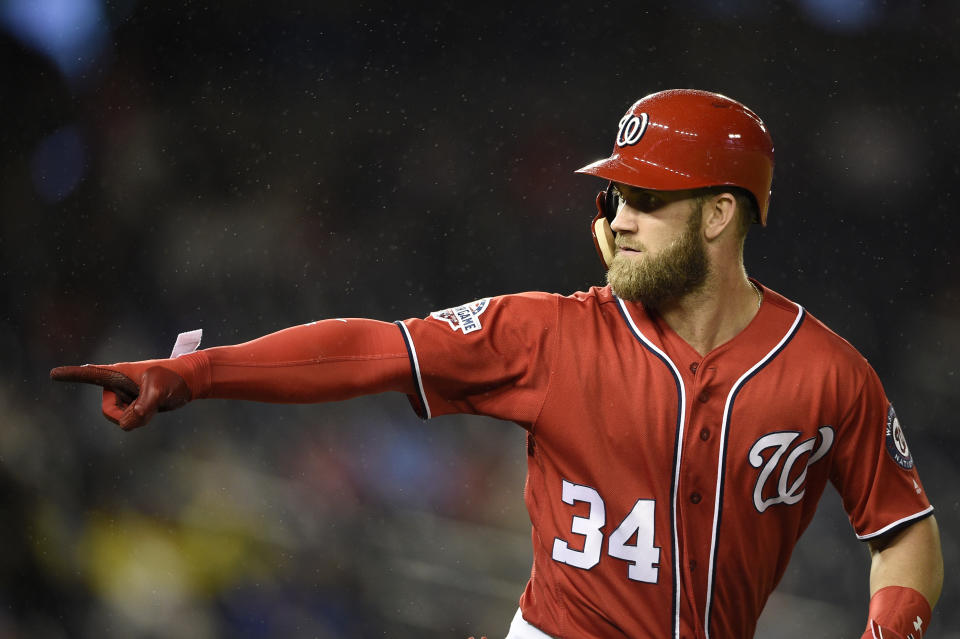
[(718, 214)]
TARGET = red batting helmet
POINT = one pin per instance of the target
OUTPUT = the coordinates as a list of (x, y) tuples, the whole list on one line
[(684, 139)]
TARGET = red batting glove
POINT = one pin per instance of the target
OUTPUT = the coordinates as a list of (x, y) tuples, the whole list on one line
[(133, 392)]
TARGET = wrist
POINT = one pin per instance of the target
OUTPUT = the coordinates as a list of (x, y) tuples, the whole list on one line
[(194, 368), (899, 609)]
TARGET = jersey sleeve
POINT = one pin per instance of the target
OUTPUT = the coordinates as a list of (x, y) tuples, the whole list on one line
[(490, 357), (875, 472)]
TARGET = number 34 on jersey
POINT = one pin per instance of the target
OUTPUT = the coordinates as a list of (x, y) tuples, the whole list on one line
[(642, 556)]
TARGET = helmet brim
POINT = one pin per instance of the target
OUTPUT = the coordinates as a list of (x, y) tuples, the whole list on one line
[(640, 173)]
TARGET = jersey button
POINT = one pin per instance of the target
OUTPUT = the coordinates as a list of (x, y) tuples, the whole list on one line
[(695, 498), (704, 434), (694, 366), (704, 397), (693, 565)]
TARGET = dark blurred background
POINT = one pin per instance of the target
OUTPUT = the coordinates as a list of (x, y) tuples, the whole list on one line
[(243, 167)]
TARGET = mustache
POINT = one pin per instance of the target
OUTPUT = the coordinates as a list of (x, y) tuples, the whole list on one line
[(621, 243)]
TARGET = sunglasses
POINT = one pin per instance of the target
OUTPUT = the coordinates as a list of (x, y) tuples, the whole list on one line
[(642, 200)]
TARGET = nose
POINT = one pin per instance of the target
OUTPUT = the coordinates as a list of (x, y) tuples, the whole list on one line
[(625, 220)]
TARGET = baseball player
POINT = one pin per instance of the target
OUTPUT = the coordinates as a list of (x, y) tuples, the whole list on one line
[(682, 421)]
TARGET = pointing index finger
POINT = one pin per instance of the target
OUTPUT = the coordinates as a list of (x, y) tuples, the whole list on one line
[(68, 373), (99, 375)]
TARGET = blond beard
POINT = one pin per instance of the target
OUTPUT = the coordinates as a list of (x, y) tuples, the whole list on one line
[(654, 280)]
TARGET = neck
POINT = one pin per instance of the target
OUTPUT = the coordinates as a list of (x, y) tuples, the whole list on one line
[(715, 313)]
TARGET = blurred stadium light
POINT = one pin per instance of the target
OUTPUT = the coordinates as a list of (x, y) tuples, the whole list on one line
[(841, 14), (72, 33), (58, 164)]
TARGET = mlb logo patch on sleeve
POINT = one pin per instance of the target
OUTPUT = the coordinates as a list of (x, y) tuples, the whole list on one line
[(465, 317)]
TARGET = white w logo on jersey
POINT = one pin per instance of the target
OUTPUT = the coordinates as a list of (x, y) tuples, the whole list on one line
[(782, 442)]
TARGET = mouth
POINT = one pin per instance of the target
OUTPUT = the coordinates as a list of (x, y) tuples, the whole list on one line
[(626, 250)]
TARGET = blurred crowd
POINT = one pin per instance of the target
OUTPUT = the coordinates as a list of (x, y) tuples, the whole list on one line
[(243, 167)]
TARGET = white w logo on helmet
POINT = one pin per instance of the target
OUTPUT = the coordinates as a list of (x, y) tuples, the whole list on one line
[(632, 128)]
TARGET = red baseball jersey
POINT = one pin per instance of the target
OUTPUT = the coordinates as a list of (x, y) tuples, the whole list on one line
[(667, 490)]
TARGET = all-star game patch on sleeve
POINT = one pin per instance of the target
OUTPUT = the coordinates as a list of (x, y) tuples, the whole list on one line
[(492, 357), (877, 477)]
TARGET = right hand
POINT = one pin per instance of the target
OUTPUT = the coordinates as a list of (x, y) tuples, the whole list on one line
[(133, 392)]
